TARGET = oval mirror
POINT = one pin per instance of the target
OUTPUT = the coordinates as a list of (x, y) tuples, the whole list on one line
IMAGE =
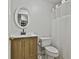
[(21, 17)]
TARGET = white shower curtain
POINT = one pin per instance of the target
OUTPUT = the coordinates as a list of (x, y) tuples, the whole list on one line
[(61, 30)]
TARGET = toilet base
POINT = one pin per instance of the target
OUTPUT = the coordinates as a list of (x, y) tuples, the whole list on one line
[(49, 57)]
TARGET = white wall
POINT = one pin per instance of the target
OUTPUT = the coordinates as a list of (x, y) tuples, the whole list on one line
[(61, 30), (40, 17)]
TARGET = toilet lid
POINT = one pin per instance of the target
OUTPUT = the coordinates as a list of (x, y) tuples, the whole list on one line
[(51, 49)]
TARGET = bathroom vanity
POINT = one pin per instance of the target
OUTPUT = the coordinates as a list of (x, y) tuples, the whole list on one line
[(24, 47)]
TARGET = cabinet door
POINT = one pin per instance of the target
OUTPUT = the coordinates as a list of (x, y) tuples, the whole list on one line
[(33, 48), (20, 48), (16, 49)]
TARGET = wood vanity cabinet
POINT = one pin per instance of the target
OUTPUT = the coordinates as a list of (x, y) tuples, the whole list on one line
[(24, 48)]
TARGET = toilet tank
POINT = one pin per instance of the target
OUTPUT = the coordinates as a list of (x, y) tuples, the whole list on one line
[(45, 41)]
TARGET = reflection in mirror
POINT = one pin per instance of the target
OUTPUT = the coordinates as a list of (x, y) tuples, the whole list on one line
[(22, 19)]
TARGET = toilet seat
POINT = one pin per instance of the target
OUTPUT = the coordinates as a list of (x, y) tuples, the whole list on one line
[(51, 49)]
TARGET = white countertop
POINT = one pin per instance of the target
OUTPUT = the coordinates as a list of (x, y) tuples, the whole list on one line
[(27, 35)]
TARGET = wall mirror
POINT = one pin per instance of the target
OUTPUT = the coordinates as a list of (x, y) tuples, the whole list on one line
[(22, 17)]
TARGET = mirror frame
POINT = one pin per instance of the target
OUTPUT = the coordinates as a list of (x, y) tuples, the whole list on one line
[(16, 16)]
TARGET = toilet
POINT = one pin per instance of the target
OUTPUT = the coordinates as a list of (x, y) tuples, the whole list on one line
[(50, 51)]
